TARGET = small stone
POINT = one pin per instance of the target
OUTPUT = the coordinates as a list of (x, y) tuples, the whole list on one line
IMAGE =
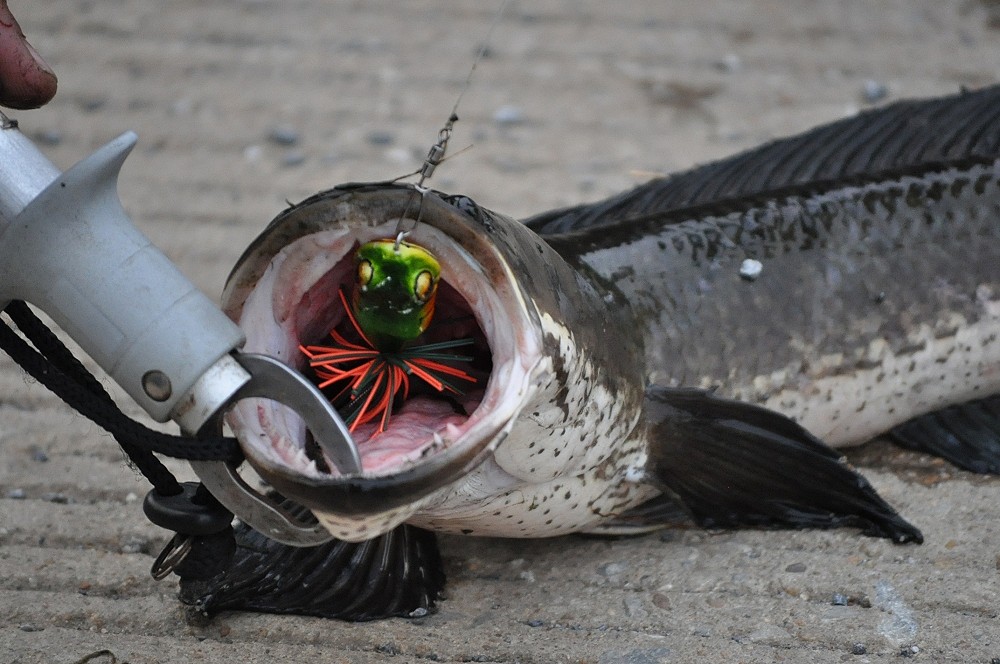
[(27, 627), (750, 269), (135, 544), (611, 569), (380, 138), (859, 649), (38, 455), (729, 63), (840, 599), (873, 91), (661, 601), (58, 498), (634, 607), (283, 135), (796, 568), (253, 153), (92, 104), (508, 116), (48, 137), (292, 158), (418, 612), (131, 497), (536, 623), (16, 494)]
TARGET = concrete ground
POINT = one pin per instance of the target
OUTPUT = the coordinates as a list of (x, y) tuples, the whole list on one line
[(242, 105)]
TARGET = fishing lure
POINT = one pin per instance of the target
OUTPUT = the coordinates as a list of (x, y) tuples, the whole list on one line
[(391, 305)]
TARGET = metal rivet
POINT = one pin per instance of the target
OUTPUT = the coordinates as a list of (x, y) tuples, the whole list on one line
[(156, 384)]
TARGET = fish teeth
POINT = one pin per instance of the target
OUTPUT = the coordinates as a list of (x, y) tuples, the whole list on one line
[(438, 440)]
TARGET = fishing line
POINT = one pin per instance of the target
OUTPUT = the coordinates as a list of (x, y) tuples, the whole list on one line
[(436, 154)]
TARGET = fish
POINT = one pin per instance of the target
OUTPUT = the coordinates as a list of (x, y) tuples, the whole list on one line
[(702, 344)]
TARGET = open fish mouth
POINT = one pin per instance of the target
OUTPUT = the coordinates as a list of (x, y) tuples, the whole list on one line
[(285, 294), (417, 419)]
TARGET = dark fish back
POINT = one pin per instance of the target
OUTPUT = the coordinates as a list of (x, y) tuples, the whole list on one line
[(906, 136)]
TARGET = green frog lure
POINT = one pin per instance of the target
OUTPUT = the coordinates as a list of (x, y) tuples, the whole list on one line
[(390, 306)]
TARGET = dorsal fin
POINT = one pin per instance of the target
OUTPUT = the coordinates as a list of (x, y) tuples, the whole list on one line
[(900, 137)]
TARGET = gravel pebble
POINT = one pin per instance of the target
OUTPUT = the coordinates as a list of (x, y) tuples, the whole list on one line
[(135, 544), (380, 138), (49, 137), (611, 569), (508, 116), (283, 135), (292, 158), (729, 63), (873, 91)]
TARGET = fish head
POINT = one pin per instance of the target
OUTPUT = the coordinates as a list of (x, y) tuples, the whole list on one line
[(499, 284)]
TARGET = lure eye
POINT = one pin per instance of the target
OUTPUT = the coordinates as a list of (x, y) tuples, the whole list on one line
[(422, 285), (365, 272)]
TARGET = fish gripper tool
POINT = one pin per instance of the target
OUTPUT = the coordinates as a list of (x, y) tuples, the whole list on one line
[(68, 247)]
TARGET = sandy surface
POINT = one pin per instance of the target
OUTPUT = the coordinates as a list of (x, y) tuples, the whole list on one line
[(241, 105)]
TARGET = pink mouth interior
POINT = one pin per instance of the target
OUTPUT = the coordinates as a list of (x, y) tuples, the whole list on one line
[(425, 412)]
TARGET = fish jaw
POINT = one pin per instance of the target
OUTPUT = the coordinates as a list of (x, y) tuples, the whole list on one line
[(284, 292)]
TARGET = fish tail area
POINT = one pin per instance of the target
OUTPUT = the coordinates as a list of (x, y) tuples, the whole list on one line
[(967, 435), (733, 464), (397, 574)]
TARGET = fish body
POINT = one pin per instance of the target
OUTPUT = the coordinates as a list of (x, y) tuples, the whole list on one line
[(876, 302), (695, 341)]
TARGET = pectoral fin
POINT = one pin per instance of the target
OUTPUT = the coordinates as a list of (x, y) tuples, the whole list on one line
[(967, 435), (735, 464), (392, 575)]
